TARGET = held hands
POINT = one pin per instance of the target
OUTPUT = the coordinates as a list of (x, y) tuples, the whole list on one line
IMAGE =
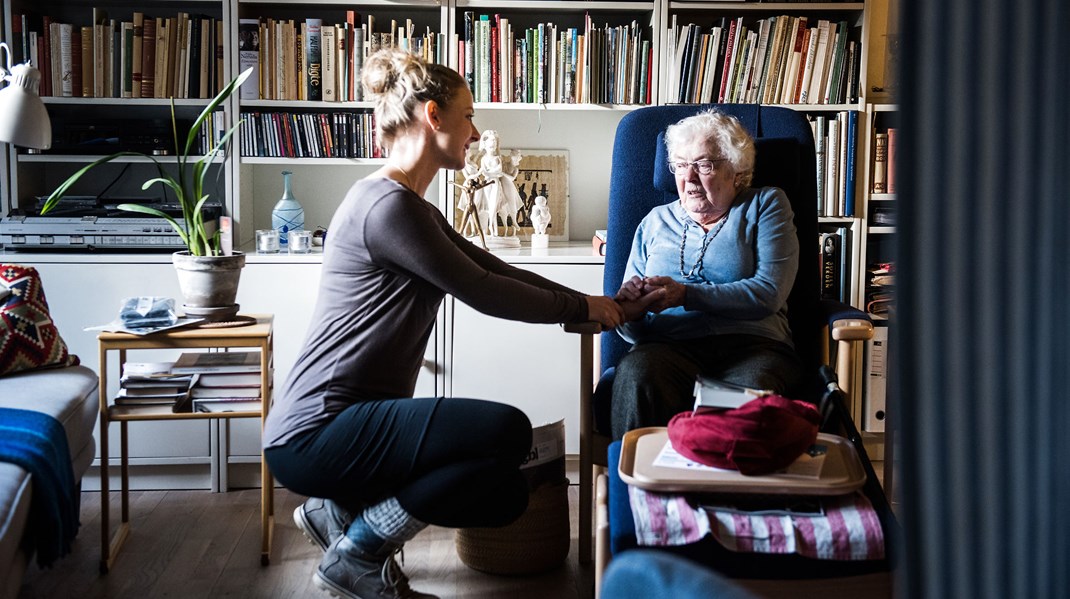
[(638, 295), (605, 311)]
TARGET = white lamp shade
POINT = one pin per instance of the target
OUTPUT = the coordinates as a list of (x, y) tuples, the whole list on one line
[(23, 117)]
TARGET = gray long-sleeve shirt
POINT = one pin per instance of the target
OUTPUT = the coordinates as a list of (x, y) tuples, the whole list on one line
[(389, 260)]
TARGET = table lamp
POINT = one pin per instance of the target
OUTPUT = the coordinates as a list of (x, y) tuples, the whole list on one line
[(23, 118)]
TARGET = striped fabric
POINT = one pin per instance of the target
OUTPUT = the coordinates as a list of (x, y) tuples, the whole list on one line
[(847, 529)]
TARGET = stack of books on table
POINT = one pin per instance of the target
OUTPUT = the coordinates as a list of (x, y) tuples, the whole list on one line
[(226, 381), (153, 384)]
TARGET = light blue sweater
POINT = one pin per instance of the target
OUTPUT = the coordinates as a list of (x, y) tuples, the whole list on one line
[(746, 275)]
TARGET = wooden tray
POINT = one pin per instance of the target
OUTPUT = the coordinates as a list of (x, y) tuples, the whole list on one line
[(840, 470)]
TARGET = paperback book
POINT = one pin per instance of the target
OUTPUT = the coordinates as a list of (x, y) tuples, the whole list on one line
[(715, 394)]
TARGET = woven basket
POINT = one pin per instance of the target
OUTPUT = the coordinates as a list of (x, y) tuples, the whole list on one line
[(536, 542)]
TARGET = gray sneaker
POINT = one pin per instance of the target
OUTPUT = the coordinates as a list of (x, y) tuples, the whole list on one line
[(346, 572), (322, 521)]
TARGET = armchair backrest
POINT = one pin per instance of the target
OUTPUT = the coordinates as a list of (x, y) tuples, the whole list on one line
[(785, 159)]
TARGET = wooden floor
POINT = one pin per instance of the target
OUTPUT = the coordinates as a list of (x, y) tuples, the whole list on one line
[(202, 544), (192, 544)]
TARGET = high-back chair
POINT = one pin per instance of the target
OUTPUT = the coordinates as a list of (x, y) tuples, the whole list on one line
[(640, 181)]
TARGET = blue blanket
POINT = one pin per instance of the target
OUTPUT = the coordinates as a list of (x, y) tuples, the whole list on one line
[(38, 444)]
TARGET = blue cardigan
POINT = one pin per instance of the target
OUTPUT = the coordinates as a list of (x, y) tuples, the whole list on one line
[(747, 270)]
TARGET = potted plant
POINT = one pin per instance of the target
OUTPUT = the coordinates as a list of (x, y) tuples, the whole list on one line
[(207, 275)]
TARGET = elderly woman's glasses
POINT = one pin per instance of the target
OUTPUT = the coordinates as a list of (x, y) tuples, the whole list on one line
[(704, 167)]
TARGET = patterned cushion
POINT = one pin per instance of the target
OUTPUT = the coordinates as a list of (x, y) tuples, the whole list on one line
[(28, 337)]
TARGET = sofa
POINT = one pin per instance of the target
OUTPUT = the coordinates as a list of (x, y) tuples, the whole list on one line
[(48, 411), (70, 396)]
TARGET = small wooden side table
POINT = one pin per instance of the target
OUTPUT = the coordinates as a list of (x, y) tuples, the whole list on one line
[(257, 336)]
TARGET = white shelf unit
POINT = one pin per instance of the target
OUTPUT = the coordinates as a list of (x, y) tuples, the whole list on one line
[(284, 284)]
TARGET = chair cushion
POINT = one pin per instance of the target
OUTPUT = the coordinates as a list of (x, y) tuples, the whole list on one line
[(67, 394), (28, 338)]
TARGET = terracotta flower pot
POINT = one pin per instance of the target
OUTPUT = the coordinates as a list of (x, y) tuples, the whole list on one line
[(209, 284)]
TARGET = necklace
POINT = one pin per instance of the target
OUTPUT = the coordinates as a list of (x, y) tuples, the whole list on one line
[(707, 237)]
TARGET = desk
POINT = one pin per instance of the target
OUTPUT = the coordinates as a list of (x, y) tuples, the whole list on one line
[(258, 335)]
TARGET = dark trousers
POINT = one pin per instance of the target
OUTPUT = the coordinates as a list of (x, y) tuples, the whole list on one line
[(449, 462), (656, 380)]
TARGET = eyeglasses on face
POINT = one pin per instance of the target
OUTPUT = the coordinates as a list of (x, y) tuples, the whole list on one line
[(704, 167)]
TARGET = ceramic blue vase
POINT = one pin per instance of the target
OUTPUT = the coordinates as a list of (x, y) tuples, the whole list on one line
[(288, 215)]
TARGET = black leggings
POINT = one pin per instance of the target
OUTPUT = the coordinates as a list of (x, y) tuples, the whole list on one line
[(449, 462)]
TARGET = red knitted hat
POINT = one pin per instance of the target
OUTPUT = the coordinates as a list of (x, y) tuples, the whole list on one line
[(761, 436)]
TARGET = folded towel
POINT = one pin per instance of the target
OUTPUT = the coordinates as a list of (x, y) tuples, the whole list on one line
[(37, 443), (148, 311), (844, 527)]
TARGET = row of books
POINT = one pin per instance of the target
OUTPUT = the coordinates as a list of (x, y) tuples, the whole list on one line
[(551, 64), (146, 57), (884, 146), (309, 135), (196, 382), (835, 144), (313, 60), (776, 60), (834, 255)]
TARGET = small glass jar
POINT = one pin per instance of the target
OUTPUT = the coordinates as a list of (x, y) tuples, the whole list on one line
[(300, 242), (267, 241)]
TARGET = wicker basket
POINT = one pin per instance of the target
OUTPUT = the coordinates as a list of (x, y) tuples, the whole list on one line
[(536, 542)]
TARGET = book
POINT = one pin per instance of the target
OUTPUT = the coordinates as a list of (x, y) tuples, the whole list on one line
[(219, 405), (169, 392), (715, 394), (86, 46), (148, 58), (249, 56), (820, 140), (199, 392), (240, 379), (328, 70), (849, 164), (891, 160), (201, 362), (880, 163), (313, 55), (830, 255), (147, 369)]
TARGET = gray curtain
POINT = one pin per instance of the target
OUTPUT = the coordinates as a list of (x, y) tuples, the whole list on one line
[(982, 361)]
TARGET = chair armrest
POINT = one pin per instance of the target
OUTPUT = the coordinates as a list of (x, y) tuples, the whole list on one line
[(589, 327), (846, 323)]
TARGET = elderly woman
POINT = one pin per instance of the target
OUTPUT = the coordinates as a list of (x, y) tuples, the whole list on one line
[(720, 263)]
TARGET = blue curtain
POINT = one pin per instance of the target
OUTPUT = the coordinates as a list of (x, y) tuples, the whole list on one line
[(982, 360)]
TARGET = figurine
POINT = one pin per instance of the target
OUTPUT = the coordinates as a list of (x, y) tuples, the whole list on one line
[(540, 218), (501, 201)]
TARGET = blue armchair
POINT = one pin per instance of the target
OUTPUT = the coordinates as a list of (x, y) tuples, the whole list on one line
[(640, 180)]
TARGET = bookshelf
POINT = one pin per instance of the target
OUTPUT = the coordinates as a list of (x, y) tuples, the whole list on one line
[(250, 185)]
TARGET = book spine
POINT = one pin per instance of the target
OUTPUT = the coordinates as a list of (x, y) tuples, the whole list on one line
[(832, 154), (329, 51), (880, 163), (45, 64), (469, 41), (495, 64), (841, 181), (66, 57), (86, 51), (892, 134), (830, 266), (313, 58), (808, 68), (195, 76), (820, 139), (849, 165)]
